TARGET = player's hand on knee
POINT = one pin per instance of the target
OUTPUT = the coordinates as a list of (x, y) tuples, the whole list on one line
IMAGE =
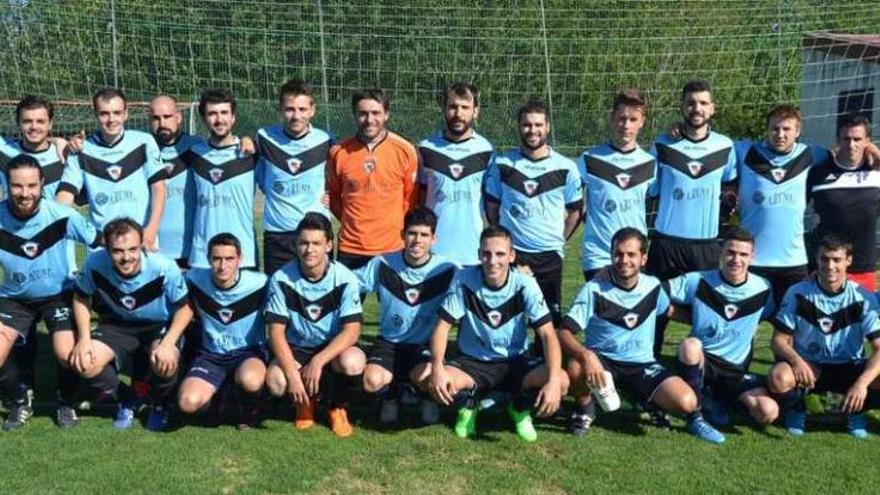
[(311, 378), (164, 358), (594, 372), (442, 388), (854, 400), (548, 399), (296, 390), (803, 374), (82, 357)]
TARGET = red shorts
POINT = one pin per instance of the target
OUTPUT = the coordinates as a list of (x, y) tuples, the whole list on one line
[(868, 280)]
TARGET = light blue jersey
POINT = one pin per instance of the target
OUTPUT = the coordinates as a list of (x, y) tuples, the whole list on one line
[(176, 225), (230, 319), (451, 173), (493, 322), (48, 159), (618, 323), (724, 317), (689, 177), (617, 184)]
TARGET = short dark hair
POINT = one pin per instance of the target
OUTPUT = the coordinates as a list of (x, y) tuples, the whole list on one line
[(420, 215), (295, 87), (224, 239), (628, 233), (214, 96), (32, 102), (695, 86), (461, 89), (533, 106), (107, 94), (370, 94), (118, 227), (784, 112), (855, 120), (495, 231), (832, 242), (629, 98), (22, 161), (315, 221), (739, 234)]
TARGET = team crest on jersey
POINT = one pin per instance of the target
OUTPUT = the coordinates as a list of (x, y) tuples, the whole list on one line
[(169, 167), (695, 167), (225, 315), (730, 310), (456, 169), (30, 248), (216, 174), (412, 295), (825, 324), (778, 174), (294, 164), (631, 320), (530, 186), (623, 180), (369, 165), (494, 318), (314, 311), (114, 171), (128, 301)]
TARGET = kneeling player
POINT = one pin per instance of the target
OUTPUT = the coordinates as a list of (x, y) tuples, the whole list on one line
[(726, 307), (314, 315), (136, 294), (492, 306), (820, 331), (229, 302), (617, 313)]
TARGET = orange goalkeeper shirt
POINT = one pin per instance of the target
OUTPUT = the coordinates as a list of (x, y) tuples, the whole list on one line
[(371, 191)]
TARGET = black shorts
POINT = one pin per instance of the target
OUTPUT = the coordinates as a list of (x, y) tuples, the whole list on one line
[(837, 378), (22, 316), (639, 380), (727, 380), (669, 257), (216, 368), (127, 339), (399, 359), (279, 248), (506, 375), (302, 355), (547, 269), (353, 261), (781, 278)]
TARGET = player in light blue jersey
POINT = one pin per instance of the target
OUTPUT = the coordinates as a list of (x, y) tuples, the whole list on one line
[(536, 193), (452, 164), (34, 117), (119, 169), (819, 338), (617, 178), (137, 294), (617, 312), (229, 302), (290, 172), (314, 315), (725, 307), (410, 285), (493, 307), (35, 237), (225, 182)]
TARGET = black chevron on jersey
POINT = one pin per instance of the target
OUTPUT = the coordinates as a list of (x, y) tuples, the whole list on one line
[(796, 166), (293, 164), (317, 309), (131, 301), (414, 294), (452, 168), (37, 244), (727, 309), (230, 313), (692, 167), (826, 323), (628, 318), (52, 172), (620, 177), (217, 173), (532, 186), (114, 171), (497, 316), (174, 167)]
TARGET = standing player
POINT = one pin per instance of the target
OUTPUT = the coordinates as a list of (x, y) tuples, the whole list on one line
[(291, 172), (120, 170), (725, 308), (617, 177), (690, 173), (410, 285), (137, 294), (845, 192), (371, 181), (819, 341), (34, 236), (34, 116), (493, 306), (225, 182), (452, 164), (229, 302), (536, 193), (314, 316), (617, 315)]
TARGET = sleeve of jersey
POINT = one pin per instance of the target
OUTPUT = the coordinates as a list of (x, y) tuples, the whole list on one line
[(785, 317), (536, 306), (677, 289), (332, 185), (367, 275), (71, 177), (730, 174), (422, 177), (176, 290), (654, 185), (81, 230), (662, 302), (351, 309), (769, 305), (410, 185), (154, 167), (85, 286), (574, 190), (492, 182), (452, 308), (579, 313), (276, 305), (870, 317)]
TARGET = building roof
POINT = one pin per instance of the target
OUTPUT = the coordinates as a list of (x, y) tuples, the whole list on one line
[(864, 47)]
